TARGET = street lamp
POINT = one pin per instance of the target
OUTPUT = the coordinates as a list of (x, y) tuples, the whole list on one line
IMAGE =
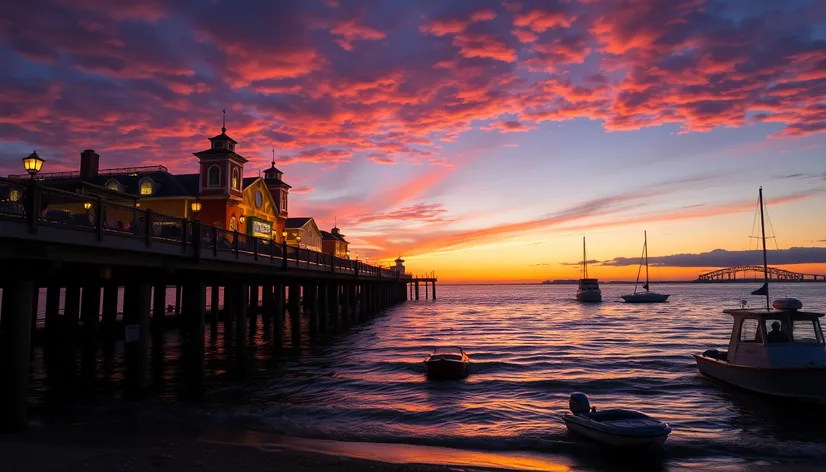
[(298, 241), (242, 219), (357, 255), (87, 206), (33, 163), (195, 206)]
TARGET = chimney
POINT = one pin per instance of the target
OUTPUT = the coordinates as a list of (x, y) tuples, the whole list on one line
[(89, 163)]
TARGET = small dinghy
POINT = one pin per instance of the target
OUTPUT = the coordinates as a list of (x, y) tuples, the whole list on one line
[(621, 428), (447, 363)]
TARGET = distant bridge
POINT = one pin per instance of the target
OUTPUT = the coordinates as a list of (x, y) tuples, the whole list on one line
[(730, 274)]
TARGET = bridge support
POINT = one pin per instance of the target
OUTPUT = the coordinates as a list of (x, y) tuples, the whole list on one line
[(15, 336)]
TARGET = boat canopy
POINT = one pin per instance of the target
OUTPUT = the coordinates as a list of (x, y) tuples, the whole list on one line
[(448, 350), (764, 313)]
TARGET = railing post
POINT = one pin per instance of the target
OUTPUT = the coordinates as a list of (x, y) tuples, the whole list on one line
[(184, 233), (33, 207), (272, 250), (332, 263), (214, 242), (149, 226), (196, 239), (284, 253), (235, 243), (99, 218)]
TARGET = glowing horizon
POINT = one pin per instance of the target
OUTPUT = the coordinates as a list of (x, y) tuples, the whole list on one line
[(480, 140)]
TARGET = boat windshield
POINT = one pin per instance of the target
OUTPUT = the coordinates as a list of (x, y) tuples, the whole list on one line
[(448, 350), (806, 331)]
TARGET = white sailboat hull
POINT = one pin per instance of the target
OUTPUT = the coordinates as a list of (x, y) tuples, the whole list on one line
[(645, 297), (803, 383)]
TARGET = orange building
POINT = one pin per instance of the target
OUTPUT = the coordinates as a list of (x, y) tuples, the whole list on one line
[(256, 206), (333, 242)]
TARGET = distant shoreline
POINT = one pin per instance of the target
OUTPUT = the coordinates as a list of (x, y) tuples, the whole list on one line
[(627, 282)]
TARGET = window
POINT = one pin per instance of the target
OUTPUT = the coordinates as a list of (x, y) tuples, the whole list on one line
[(214, 176), (14, 195), (146, 186), (218, 145), (112, 184), (805, 331), (231, 147), (777, 331), (233, 224), (283, 201), (750, 331), (236, 177)]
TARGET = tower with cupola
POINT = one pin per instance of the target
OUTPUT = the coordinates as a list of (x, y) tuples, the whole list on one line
[(279, 190), (221, 182)]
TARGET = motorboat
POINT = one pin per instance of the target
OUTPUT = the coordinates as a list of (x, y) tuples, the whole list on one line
[(447, 363), (588, 290), (616, 427), (777, 350), (646, 296)]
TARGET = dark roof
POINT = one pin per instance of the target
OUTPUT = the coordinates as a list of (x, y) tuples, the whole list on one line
[(247, 181), (223, 136), (82, 187), (166, 184), (328, 236), (296, 222), (220, 152)]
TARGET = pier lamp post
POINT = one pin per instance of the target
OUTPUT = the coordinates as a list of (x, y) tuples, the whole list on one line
[(195, 206), (284, 248), (242, 219), (298, 241), (33, 163)]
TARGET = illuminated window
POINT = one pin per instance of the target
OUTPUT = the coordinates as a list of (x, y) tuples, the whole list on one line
[(236, 177), (14, 195), (284, 201), (233, 224), (214, 176), (146, 186), (112, 184)]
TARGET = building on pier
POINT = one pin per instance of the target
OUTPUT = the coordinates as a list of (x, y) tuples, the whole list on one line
[(218, 195), (333, 242), (303, 232)]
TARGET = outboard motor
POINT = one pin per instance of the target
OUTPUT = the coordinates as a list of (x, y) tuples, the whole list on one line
[(579, 404)]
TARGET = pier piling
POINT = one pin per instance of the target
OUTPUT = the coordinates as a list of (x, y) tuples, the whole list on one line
[(136, 305), (15, 336)]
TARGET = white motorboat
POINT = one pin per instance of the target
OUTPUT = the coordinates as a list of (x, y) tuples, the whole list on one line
[(777, 350), (620, 428), (588, 290), (647, 296)]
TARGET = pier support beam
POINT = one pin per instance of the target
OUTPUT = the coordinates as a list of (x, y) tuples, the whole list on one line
[(158, 313), (109, 324), (15, 336), (90, 314), (240, 304), (311, 306), (295, 314), (71, 315), (434, 289), (278, 316), (136, 305), (321, 303), (345, 306), (214, 302), (334, 292), (195, 319), (253, 310), (417, 290), (52, 347)]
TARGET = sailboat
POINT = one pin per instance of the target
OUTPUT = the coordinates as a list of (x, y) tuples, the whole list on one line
[(646, 296), (777, 350), (588, 290)]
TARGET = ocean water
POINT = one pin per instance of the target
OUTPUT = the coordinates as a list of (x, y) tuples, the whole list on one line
[(530, 347)]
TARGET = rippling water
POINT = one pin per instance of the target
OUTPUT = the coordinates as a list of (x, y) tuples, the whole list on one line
[(530, 347)]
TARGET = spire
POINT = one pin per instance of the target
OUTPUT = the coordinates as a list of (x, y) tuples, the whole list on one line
[(224, 122), (273, 157)]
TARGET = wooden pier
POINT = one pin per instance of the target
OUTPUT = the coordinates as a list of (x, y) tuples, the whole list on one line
[(91, 250)]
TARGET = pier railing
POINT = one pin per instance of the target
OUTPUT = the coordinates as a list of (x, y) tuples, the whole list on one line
[(39, 207)]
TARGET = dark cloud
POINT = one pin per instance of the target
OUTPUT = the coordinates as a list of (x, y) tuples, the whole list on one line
[(590, 261), (724, 258)]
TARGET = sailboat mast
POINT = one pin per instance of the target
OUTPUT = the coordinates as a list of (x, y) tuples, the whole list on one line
[(646, 259), (584, 261), (765, 263)]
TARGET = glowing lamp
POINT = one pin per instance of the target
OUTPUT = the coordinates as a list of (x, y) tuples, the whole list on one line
[(33, 163), (284, 234), (195, 206), (87, 205), (242, 219)]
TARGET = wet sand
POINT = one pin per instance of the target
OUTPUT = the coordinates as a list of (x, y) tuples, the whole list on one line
[(168, 448)]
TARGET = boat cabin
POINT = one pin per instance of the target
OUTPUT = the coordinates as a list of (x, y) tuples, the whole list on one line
[(588, 284), (776, 338), (452, 353)]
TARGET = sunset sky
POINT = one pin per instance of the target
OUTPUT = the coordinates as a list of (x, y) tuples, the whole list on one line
[(478, 139)]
